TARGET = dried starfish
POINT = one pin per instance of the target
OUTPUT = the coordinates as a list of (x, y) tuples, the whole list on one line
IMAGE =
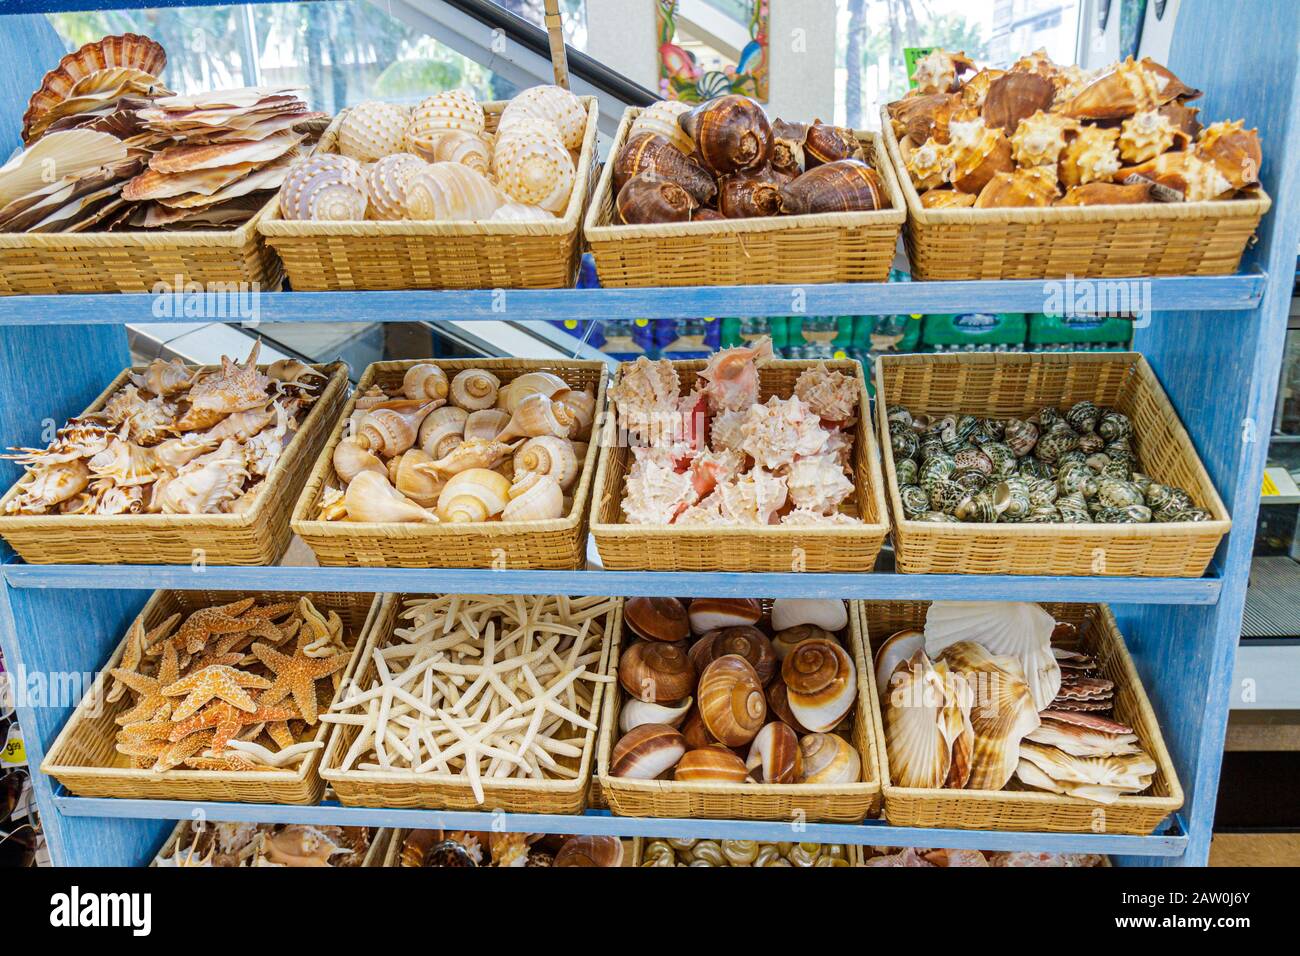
[(279, 731), (276, 760), (152, 700), (218, 681), (228, 761), (264, 616), (326, 633), (203, 624), (227, 720), (182, 750), (297, 675), (137, 641)]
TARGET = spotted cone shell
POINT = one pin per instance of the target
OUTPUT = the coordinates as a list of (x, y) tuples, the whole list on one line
[(550, 103)]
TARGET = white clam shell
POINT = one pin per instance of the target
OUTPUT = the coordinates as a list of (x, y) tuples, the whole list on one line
[(638, 712), (829, 613), (372, 130), (450, 192), (1008, 628)]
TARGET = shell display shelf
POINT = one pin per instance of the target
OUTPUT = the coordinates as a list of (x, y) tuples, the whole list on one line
[(1215, 343)]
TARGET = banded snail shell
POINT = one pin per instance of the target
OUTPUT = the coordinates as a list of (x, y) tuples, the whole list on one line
[(658, 619), (386, 182), (434, 115), (425, 380), (656, 672), (732, 704), (373, 129), (553, 104), (661, 118), (581, 405), (829, 759), (474, 389), (821, 683), (744, 641), (774, 756), (634, 713), (326, 187), (442, 430), (713, 764), (450, 192), (522, 212), (538, 415), (534, 497), (459, 146), (549, 455), (533, 166), (476, 494), (646, 752)]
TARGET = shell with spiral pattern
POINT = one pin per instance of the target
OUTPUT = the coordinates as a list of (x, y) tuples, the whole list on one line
[(661, 118), (532, 164), (386, 182), (324, 187), (459, 146), (553, 104), (451, 192), (372, 130), (434, 115)]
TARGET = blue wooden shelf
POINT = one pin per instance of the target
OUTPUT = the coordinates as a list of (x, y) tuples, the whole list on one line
[(1171, 842), (874, 586), (1234, 293)]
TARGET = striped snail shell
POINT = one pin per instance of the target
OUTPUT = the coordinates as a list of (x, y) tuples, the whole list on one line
[(829, 759), (730, 133), (774, 756), (647, 751), (552, 103), (654, 154), (656, 672), (533, 166), (711, 763), (326, 187), (846, 185), (821, 683), (731, 700), (386, 182), (648, 199), (434, 115), (474, 389)]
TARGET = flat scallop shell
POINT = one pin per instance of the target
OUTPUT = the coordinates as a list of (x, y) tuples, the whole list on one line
[(919, 752), (373, 129), (72, 153), (1013, 629)]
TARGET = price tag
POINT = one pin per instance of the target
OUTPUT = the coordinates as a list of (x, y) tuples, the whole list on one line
[(14, 753), (1270, 486)]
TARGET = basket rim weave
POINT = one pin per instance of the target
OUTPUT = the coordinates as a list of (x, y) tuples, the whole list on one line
[(1251, 206), (598, 231), (337, 372), (1221, 524), (274, 225)]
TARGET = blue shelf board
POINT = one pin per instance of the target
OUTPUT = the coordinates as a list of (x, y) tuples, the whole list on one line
[(877, 586), (9, 7), (1220, 293), (1171, 842)]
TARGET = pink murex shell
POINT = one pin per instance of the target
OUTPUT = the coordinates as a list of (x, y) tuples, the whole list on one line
[(646, 398), (834, 396), (818, 484), (780, 431), (804, 517), (656, 492), (710, 468), (726, 430), (732, 375), (753, 498)]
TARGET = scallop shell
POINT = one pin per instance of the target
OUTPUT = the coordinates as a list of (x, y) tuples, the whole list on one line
[(442, 430), (459, 146), (1008, 628), (732, 704), (476, 494), (829, 760), (817, 483), (533, 166), (72, 153), (372, 130), (1040, 139), (1102, 779), (1145, 136), (549, 455), (324, 187), (634, 713), (553, 104), (918, 741), (1090, 157), (434, 115), (534, 497), (661, 118), (450, 192), (474, 389), (821, 683), (387, 180)]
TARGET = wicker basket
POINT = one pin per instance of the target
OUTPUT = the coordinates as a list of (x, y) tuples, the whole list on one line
[(1031, 809), (1014, 384), (799, 250), (556, 544), (638, 844), (1146, 239), (84, 757), (844, 803), (641, 547), (48, 263), (322, 256), (376, 855), (256, 536), (393, 854), (435, 791)]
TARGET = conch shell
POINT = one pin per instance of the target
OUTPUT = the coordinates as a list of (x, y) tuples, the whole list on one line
[(833, 395), (781, 430), (938, 71), (1180, 176), (533, 166), (49, 485), (978, 154), (390, 428), (534, 497), (1014, 96), (474, 495), (409, 475), (1126, 89), (928, 165), (1040, 139), (350, 459), (1145, 136), (946, 199), (1092, 156), (236, 388), (1027, 186), (486, 423), (548, 383), (165, 378), (1105, 194), (817, 483), (471, 453), (540, 415), (442, 430), (1233, 150), (549, 455), (370, 497), (204, 484)]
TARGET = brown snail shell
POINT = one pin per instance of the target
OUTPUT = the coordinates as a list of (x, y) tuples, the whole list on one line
[(731, 700), (705, 214), (657, 618), (647, 752), (821, 683), (920, 118), (829, 759), (730, 133), (600, 851), (648, 199), (711, 763), (827, 144), (947, 199), (652, 154), (778, 704), (1032, 186), (656, 672), (774, 756), (746, 641), (787, 146), (1014, 96), (694, 732), (787, 639), (1105, 194), (846, 185), (1183, 118), (751, 193), (708, 614)]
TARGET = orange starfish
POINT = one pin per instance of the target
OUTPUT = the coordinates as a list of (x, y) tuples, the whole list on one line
[(225, 651), (218, 681), (229, 761), (152, 701), (183, 749), (297, 675), (223, 619), (137, 641), (227, 720)]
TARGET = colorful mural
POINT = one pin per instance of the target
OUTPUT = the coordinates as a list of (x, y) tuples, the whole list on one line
[(682, 77)]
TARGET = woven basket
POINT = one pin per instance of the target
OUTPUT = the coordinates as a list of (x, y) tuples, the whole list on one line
[(638, 844), (844, 803), (34, 263), (380, 843), (799, 250), (84, 757), (435, 791), (1032, 809), (1144, 239), (322, 256), (556, 544), (641, 547), (256, 536), (1015, 384), (393, 854)]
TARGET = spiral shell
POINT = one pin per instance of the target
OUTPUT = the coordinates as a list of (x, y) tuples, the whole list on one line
[(978, 154), (1040, 139), (774, 756), (459, 146), (538, 415), (1091, 157), (350, 458), (730, 133), (581, 405), (647, 751), (712, 764), (661, 118), (553, 104), (648, 199), (416, 482), (1234, 151), (527, 384), (476, 494), (534, 497), (743, 641), (533, 166), (656, 672), (470, 453), (424, 380), (928, 165), (521, 212), (634, 713), (1027, 186), (829, 759), (442, 430), (821, 682), (549, 455), (732, 704), (591, 851), (325, 187), (474, 389), (450, 192), (390, 428), (652, 154), (386, 183), (486, 423), (370, 497), (435, 115), (373, 129), (1146, 135)]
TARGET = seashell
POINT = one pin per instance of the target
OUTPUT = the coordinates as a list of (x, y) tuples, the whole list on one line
[(829, 760), (925, 117), (205, 484), (552, 104), (1105, 194), (894, 651), (527, 384), (1233, 150), (434, 115), (657, 618), (730, 133), (1014, 96), (648, 199), (390, 428), (744, 641), (656, 672), (126, 463), (450, 192), (486, 423), (1028, 186), (470, 453), (661, 118), (236, 388), (386, 183), (458, 146), (1101, 779), (350, 458), (590, 851), (818, 483), (324, 187), (578, 403), (548, 455), (921, 710), (710, 614), (534, 497), (532, 165), (1183, 117), (778, 704), (1010, 629), (45, 486), (168, 378), (1040, 138), (929, 164), (474, 389), (697, 736), (750, 193), (647, 751), (424, 381), (634, 713), (731, 700), (1092, 156), (371, 497), (788, 140), (652, 155), (821, 683), (442, 430), (938, 71), (824, 143), (539, 415), (846, 185), (827, 613), (946, 199), (476, 494), (372, 130), (715, 764), (1180, 176), (410, 476), (977, 154), (521, 212), (1145, 136), (975, 90), (1125, 89), (775, 755)]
